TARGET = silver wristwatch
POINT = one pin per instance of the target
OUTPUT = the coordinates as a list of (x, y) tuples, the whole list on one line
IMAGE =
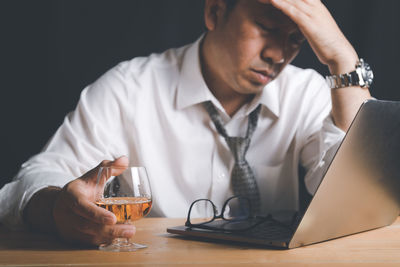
[(361, 76)]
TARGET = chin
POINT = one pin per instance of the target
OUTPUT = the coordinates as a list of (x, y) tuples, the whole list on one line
[(249, 85), (253, 88)]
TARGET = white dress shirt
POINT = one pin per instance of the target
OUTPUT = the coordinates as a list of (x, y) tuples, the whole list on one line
[(150, 110)]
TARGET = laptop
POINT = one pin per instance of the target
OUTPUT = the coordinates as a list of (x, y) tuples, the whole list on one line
[(360, 190)]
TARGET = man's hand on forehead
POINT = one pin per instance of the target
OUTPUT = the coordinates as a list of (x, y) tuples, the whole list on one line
[(321, 31)]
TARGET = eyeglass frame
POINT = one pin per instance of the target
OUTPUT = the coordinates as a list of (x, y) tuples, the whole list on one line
[(220, 216), (261, 219)]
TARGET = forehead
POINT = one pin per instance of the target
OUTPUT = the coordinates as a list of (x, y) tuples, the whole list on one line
[(253, 9)]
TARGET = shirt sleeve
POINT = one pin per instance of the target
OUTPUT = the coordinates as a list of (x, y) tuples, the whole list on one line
[(320, 136), (88, 135), (319, 151)]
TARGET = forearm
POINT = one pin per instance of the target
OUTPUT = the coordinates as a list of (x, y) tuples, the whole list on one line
[(332, 49), (345, 104), (38, 213), (346, 101)]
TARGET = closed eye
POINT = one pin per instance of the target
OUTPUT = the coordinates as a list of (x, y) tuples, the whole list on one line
[(266, 29), (297, 38)]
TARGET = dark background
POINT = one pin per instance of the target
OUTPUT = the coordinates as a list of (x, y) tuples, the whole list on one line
[(51, 49)]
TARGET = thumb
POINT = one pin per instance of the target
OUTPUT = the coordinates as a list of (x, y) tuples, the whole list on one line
[(106, 169)]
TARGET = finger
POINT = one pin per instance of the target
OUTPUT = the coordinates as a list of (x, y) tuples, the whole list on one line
[(82, 225), (106, 169), (301, 5), (92, 212), (121, 162), (79, 204), (99, 233), (118, 166), (296, 10)]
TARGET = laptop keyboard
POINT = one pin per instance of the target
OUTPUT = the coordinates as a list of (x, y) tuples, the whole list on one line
[(269, 230)]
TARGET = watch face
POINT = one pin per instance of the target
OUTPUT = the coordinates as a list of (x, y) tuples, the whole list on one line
[(367, 74)]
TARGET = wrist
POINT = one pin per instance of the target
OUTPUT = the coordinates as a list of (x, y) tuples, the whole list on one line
[(343, 60), (38, 213), (344, 65), (362, 76)]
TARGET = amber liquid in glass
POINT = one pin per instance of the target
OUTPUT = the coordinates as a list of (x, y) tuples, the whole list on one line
[(126, 209)]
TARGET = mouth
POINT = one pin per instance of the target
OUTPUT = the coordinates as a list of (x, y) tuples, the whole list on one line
[(262, 76)]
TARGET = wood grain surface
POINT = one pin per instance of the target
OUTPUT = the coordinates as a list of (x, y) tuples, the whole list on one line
[(379, 247)]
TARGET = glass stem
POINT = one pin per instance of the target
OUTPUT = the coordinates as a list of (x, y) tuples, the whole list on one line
[(121, 241)]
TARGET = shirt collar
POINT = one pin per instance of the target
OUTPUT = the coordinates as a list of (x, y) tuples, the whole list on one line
[(269, 97), (192, 89)]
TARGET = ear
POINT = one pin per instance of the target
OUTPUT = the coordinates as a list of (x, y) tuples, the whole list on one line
[(214, 10)]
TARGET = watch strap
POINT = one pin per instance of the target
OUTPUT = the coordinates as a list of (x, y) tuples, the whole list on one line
[(343, 80), (362, 76)]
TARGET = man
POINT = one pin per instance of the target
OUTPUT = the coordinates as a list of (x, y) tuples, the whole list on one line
[(152, 110)]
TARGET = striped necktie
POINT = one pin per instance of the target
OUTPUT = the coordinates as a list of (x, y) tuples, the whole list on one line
[(242, 177)]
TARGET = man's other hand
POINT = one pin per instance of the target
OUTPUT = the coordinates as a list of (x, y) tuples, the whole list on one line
[(321, 31)]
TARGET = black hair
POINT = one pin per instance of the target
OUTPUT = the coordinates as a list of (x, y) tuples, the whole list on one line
[(230, 4)]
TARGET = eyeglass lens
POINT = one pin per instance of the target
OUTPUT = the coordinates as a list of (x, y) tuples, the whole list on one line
[(202, 211), (236, 208)]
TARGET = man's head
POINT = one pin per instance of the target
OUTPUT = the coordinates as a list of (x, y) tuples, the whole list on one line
[(247, 44)]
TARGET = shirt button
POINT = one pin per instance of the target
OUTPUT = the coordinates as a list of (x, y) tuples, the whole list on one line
[(221, 176)]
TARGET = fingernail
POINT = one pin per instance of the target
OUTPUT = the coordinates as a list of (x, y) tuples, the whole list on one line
[(128, 233)]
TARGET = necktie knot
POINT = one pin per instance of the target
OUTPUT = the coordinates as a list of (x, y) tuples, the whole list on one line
[(238, 147)]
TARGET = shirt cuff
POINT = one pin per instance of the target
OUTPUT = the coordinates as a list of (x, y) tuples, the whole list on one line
[(16, 194)]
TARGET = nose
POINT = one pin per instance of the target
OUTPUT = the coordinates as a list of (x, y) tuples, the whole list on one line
[(273, 52)]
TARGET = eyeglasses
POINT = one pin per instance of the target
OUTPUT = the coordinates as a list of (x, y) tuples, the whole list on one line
[(235, 216)]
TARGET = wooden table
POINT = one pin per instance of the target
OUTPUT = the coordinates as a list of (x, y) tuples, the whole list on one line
[(374, 248)]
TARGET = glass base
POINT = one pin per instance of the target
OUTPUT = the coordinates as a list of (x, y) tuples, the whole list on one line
[(121, 245)]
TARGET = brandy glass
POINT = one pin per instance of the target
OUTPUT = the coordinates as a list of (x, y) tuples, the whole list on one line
[(127, 194)]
